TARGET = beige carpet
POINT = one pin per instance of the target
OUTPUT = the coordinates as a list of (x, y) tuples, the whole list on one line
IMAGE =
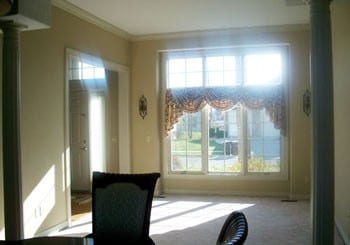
[(270, 220), (193, 220)]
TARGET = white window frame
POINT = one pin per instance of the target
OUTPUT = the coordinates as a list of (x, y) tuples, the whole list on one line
[(244, 174)]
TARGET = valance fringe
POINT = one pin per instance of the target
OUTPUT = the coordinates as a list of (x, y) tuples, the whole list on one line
[(191, 100)]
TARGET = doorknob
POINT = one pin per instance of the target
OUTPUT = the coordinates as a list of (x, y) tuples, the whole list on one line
[(83, 148)]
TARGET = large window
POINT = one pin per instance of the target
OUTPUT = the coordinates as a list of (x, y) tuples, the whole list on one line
[(242, 140)]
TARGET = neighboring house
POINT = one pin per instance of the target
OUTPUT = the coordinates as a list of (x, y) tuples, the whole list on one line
[(43, 112)]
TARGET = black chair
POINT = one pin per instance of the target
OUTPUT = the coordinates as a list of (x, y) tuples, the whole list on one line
[(121, 207), (234, 231)]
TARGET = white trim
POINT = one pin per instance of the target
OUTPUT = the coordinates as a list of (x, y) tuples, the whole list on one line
[(228, 176), (66, 157), (123, 119), (84, 15), (225, 193), (123, 106), (109, 65), (342, 233), (52, 229), (221, 32)]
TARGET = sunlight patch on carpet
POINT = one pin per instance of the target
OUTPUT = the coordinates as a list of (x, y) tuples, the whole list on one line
[(180, 215)]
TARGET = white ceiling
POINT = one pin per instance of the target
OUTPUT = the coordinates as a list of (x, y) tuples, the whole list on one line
[(148, 17)]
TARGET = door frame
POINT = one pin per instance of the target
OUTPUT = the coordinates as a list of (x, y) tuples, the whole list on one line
[(123, 119)]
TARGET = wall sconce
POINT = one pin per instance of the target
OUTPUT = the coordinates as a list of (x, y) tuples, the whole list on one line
[(307, 102), (143, 106)]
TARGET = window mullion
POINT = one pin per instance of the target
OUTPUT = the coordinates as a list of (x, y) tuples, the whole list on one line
[(204, 71), (205, 140), (205, 137), (186, 143), (243, 119), (244, 140)]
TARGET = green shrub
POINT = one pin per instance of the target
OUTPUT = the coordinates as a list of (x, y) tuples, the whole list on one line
[(212, 132), (257, 164)]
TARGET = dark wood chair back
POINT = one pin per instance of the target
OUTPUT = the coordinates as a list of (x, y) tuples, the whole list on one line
[(121, 207)]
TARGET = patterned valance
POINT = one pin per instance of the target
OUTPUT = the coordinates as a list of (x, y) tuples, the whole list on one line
[(180, 100)]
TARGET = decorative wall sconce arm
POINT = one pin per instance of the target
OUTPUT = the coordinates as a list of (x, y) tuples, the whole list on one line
[(143, 106), (307, 102)]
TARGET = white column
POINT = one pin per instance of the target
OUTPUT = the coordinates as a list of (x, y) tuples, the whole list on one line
[(322, 122), (11, 131)]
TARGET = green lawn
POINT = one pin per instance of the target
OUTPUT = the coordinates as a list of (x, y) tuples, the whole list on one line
[(194, 145)]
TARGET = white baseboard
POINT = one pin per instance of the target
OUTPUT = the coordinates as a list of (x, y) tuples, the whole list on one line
[(55, 228), (342, 233), (238, 193), (225, 193)]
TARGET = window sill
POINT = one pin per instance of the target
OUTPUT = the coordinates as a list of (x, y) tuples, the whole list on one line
[(224, 176)]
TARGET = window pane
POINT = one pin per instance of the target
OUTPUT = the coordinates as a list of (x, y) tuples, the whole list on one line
[(176, 73), (223, 152), (194, 72), (186, 143), (194, 79), (264, 143), (177, 66), (214, 63), (229, 63), (177, 80), (221, 71), (194, 64), (99, 73), (262, 69), (185, 73), (215, 78), (230, 78), (88, 73)]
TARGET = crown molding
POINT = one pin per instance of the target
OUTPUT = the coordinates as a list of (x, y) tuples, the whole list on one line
[(84, 15), (222, 32)]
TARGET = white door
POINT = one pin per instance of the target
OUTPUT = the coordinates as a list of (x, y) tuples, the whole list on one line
[(79, 141)]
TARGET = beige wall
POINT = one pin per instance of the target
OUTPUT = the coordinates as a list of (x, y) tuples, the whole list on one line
[(147, 154), (341, 64), (112, 164), (43, 79)]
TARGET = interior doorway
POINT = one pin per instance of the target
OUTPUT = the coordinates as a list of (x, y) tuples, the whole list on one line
[(79, 140), (88, 86), (87, 136), (97, 119)]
